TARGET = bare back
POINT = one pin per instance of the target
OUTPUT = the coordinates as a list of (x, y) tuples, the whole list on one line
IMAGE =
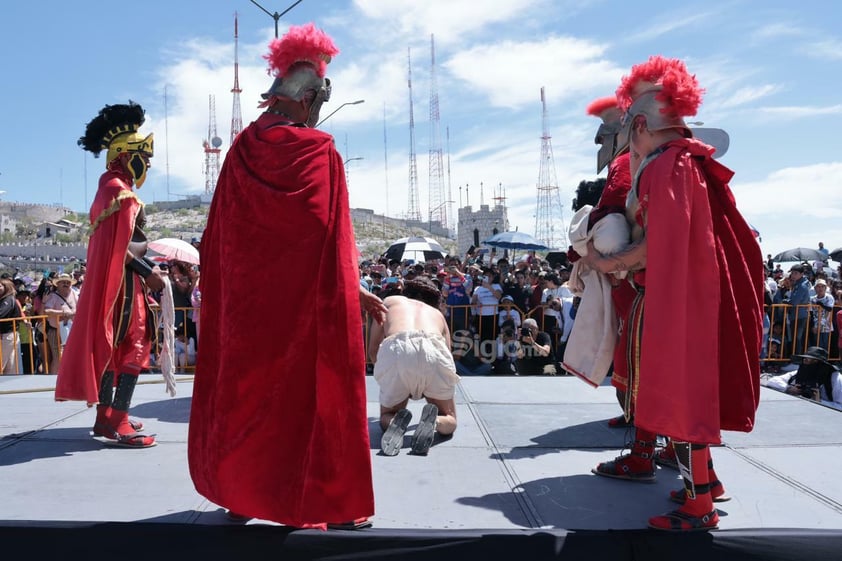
[(406, 314)]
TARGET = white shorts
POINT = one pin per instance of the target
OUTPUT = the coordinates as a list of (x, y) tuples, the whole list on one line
[(414, 364)]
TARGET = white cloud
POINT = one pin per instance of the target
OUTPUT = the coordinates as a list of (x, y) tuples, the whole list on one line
[(777, 30), (748, 94), (800, 112), (510, 73), (795, 206), (667, 24), (829, 49)]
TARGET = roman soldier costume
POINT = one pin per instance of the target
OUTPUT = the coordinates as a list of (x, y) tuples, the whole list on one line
[(113, 329)]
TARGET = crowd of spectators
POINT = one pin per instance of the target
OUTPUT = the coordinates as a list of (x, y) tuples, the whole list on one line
[(802, 326), (36, 317), (505, 317)]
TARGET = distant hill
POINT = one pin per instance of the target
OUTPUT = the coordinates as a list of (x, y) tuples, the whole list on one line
[(372, 239)]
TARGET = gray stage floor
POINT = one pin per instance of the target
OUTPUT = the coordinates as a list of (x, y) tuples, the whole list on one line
[(520, 459)]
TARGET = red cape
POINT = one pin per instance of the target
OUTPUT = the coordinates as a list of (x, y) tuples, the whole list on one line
[(702, 326), (88, 350), (278, 425)]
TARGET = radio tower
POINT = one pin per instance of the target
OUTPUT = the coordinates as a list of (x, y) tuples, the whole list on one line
[(549, 222), (438, 202), (414, 210), (236, 114), (212, 149)]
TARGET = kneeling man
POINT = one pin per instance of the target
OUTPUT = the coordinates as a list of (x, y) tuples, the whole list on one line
[(412, 359)]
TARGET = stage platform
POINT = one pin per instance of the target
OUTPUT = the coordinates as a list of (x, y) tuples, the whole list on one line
[(514, 480)]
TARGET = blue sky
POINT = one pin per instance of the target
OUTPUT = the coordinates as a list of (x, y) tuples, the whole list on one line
[(771, 69)]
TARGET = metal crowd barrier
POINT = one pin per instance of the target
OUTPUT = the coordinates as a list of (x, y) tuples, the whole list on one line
[(31, 351)]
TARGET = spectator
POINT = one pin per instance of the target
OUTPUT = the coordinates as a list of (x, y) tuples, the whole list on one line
[(40, 331), (507, 345), (60, 307), (485, 299), (9, 312), (508, 313), (182, 277), (466, 354), (456, 289), (196, 303), (28, 349), (185, 351), (534, 351), (517, 287), (816, 379), (799, 300), (824, 251), (412, 360), (822, 324)]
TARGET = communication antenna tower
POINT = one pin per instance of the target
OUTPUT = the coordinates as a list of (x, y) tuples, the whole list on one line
[(437, 200), (236, 113), (212, 146), (549, 220), (414, 209)]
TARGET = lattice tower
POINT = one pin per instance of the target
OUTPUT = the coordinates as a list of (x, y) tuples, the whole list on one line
[(414, 208), (437, 201), (212, 146), (549, 219), (236, 113)]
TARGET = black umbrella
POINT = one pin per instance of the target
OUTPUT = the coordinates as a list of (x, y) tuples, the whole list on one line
[(415, 248), (836, 254), (800, 254)]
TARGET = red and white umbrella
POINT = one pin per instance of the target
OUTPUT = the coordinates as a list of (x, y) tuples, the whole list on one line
[(174, 249)]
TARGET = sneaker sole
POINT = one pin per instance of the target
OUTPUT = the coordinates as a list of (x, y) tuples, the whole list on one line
[(392, 440), (422, 438)]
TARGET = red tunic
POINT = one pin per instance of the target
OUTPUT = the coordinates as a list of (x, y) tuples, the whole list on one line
[(702, 324), (89, 348), (278, 425)]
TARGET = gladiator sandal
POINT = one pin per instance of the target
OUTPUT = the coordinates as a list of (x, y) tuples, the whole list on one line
[(697, 512), (103, 409), (637, 465), (717, 489), (123, 434), (665, 457)]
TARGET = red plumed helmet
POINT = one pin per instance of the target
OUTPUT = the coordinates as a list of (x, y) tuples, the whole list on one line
[(302, 43), (678, 90), (598, 106)]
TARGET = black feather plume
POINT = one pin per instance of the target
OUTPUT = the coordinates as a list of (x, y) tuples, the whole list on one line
[(100, 130)]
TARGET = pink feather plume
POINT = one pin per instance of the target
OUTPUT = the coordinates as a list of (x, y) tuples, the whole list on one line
[(301, 43)]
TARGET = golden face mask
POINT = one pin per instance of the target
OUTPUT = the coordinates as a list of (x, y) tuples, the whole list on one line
[(139, 148)]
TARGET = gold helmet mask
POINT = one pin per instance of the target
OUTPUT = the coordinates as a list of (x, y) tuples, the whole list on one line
[(126, 140)]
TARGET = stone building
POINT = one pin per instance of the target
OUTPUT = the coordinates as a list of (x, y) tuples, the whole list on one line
[(476, 226)]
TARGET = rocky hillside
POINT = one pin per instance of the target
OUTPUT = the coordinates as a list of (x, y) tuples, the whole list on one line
[(372, 239)]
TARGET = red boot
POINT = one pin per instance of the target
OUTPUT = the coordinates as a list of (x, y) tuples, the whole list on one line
[(637, 465), (697, 512)]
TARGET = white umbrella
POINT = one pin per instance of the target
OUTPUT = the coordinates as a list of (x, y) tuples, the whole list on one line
[(174, 249), (417, 248)]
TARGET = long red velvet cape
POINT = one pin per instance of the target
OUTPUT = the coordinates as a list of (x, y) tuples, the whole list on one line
[(702, 326), (278, 426), (88, 350)]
